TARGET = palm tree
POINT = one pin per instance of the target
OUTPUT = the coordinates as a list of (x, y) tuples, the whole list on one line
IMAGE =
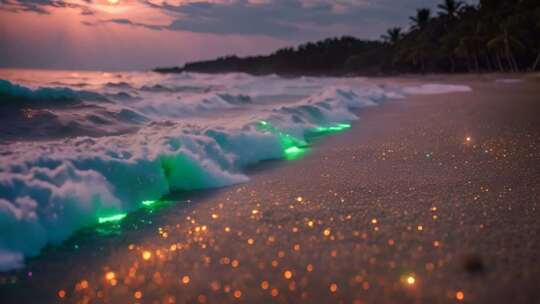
[(450, 8), (392, 36), (537, 61), (419, 24), (421, 20), (504, 43)]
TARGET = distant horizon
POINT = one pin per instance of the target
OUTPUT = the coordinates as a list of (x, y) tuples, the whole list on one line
[(141, 35)]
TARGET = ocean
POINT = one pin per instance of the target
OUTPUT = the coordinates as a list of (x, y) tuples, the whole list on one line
[(80, 148)]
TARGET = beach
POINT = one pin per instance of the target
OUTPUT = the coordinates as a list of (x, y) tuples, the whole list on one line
[(427, 199)]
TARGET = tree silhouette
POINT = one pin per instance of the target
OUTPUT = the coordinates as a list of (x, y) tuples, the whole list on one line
[(392, 36), (493, 35), (421, 20), (450, 8)]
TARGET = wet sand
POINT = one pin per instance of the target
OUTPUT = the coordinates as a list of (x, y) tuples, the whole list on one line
[(431, 199)]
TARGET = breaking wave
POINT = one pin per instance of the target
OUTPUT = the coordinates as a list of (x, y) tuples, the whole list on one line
[(16, 94)]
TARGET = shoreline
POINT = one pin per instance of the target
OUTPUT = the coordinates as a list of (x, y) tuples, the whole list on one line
[(397, 163)]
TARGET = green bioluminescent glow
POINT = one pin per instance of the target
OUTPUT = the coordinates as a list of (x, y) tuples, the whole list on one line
[(293, 153), (148, 203), (293, 148), (112, 218), (290, 144), (333, 128)]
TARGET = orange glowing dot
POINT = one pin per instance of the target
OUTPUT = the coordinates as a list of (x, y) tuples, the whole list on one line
[(237, 294), (215, 216), (254, 211), (265, 285), (468, 138), (137, 294), (250, 241), (420, 227), (365, 285), (185, 279), (460, 295), (235, 263), (374, 221), (411, 280), (436, 244), (309, 268), (296, 247), (299, 199), (61, 293), (227, 229), (84, 284), (110, 275), (310, 223), (333, 287), (327, 232), (215, 285), (288, 274), (274, 292), (146, 255), (201, 298)]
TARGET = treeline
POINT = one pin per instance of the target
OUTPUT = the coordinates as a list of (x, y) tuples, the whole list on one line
[(495, 35)]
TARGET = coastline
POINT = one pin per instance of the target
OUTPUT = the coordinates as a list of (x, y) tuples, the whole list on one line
[(397, 163)]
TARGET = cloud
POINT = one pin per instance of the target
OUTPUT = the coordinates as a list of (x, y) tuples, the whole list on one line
[(290, 18), (132, 23), (42, 6), (283, 19), (273, 18)]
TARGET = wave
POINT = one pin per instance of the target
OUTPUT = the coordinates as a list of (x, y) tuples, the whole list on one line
[(15, 94), (159, 88), (49, 190)]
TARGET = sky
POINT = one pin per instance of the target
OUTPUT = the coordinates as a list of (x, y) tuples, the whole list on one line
[(143, 34)]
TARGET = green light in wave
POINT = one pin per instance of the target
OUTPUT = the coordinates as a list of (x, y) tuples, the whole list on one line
[(148, 203), (112, 218), (333, 128), (287, 141), (293, 153)]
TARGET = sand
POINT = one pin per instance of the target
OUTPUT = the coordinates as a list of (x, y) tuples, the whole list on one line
[(432, 199)]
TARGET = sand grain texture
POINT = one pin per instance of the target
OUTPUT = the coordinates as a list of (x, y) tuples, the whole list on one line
[(401, 197)]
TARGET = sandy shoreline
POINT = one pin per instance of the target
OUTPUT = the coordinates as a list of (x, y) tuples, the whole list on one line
[(401, 197)]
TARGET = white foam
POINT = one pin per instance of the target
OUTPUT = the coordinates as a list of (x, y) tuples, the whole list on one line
[(430, 89)]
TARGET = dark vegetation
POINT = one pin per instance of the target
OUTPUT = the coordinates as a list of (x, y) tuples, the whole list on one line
[(493, 36)]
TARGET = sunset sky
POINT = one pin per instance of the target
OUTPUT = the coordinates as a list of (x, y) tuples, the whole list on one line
[(142, 34)]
